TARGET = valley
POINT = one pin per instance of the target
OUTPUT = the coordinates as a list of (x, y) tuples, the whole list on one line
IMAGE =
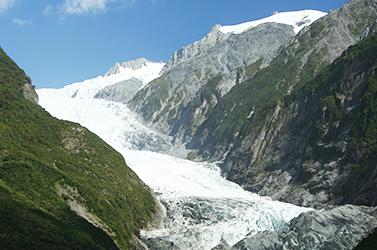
[(261, 135)]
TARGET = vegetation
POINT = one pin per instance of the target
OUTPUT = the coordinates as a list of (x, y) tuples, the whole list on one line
[(42, 157), (208, 94), (365, 129)]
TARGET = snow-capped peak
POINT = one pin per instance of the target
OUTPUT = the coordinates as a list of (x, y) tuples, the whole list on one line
[(134, 65), (298, 19), (141, 69)]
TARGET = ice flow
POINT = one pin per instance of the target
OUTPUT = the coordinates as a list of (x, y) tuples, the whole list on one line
[(202, 208)]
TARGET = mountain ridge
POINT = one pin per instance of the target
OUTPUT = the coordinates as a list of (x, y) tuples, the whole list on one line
[(297, 63)]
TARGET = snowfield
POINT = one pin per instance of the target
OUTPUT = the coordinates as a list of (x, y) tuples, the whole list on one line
[(202, 208), (298, 19)]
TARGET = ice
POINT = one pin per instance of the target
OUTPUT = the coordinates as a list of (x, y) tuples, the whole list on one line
[(202, 206)]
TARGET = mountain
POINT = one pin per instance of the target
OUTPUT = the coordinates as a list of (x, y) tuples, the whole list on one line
[(316, 146), (209, 88), (197, 76), (300, 61), (134, 74), (61, 186)]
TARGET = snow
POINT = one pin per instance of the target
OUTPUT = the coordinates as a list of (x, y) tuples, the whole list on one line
[(177, 182), (145, 74), (298, 19)]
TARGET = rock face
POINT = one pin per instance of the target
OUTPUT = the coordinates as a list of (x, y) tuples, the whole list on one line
[(338, 228), (168, 103), (196, 49), (299, 62), (30, 93), (120, 92), (315, 147)]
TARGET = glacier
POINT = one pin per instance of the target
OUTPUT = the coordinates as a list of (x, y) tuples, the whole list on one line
[(203, 209)]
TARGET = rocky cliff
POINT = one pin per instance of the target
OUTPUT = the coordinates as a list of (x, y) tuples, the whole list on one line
[(316, 146), (168, 102), (299, 62)]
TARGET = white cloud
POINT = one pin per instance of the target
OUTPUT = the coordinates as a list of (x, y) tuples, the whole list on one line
[(48, 10), (72, 7), (6, 4), (21, 22), (84, 6)]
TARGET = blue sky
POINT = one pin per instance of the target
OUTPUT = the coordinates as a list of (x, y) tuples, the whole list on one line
[(58, 42)]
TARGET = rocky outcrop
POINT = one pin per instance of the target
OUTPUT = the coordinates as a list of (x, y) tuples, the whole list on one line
[(120, 92), (315, 147), (30, 93), (300, 61), (338, 228)]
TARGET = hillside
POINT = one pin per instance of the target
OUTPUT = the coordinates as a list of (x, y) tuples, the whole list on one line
[(61, 187), (300, 61), (317, 146)]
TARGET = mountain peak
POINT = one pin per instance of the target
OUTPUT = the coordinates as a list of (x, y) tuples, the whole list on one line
[(298, 19), (136, 64), (133, 65)]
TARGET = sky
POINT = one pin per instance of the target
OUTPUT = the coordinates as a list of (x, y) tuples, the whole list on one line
[(58, 42)]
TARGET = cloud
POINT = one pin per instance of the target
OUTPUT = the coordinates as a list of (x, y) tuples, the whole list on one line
[(83, 6), (6, 4), (78, 7), (47, 10), (21, 22), (72, 7)]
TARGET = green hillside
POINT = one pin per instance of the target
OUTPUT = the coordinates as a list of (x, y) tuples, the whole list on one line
[(322, 137), (47, 164)]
